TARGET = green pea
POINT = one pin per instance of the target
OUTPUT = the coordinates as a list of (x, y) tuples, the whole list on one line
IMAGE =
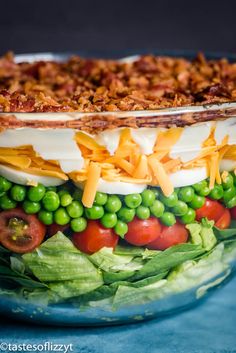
[(199, 186), (6, 203), (168, 219), (94, 212), (186, 194), (204, 191), (51, 201), (75, 209), (177, 190), (46, 217), (61, 217), (78, 224), (66, 200), (157, 209), (113, 204), (121, 228), (142, 212), (148, 197), (77, 195), (5, 185), (126, 214), (31, 207), (52, 188), (62, 192), (100, 198), (217, 192), (156, 192), (36, 193), (18, 193), (229, 194), (197, 202), (189, 217), (231, 203), (180, 208), (133, 200), (228, 182), (169, 201), (109, 220)]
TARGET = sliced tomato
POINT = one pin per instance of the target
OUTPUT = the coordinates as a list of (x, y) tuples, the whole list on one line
[(233, 212), (20, 232), (212, 210), (143, 231), (54, 228), (94, 238), (169, 236), (224, 221)]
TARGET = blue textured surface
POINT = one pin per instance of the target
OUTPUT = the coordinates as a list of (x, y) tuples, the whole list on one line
[(207, 328)]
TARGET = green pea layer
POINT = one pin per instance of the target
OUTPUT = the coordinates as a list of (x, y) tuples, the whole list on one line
[(62, 205)]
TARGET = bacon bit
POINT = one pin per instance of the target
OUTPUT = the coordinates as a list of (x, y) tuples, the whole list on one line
[(92, 85)]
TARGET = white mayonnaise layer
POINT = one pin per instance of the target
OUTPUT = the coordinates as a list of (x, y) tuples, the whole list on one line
[(50, 144), (190, 142), (226, 127)]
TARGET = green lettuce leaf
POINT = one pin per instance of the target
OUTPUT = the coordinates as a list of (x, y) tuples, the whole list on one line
[(109, 261), (166, 260), (63, 268), (187, 275), (223, 234), (203, 234)]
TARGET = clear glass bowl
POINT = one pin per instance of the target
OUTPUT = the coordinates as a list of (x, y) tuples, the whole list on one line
[(184, 288)]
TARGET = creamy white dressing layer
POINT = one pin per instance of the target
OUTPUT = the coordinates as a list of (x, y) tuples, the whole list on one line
[(145, 138), (50, 144), (226, 127), (60, 145), (109, 139), (190, 142)]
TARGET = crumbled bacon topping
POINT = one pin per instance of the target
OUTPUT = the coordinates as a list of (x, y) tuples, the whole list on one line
[(92, 85)]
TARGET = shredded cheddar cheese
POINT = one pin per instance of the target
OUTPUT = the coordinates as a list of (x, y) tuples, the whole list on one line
[(128, 164), (94, 173)]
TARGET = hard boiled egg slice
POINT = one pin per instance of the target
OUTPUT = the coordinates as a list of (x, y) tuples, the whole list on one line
[(227, 165), (116, 187), (187, 177), (22, 178)]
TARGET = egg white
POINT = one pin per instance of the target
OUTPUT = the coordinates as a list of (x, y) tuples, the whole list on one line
[(22, 178)]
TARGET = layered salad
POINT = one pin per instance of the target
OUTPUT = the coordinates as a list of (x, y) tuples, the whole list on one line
[(113, 190)]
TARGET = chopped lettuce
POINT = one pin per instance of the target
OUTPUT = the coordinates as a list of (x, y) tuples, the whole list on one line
[(224, 234), (109, 261), (57, 271), (185, 276), (165, 260), (64, 268), (203, 234)]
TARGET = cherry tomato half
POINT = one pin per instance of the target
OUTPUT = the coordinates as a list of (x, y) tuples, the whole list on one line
[(94, 238), (54, 228), (224, 221), (143, 231), (233, 212), (20, 232), (169, 236), (212, 210)]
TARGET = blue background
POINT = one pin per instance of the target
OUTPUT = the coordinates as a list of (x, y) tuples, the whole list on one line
[(207, 328)]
